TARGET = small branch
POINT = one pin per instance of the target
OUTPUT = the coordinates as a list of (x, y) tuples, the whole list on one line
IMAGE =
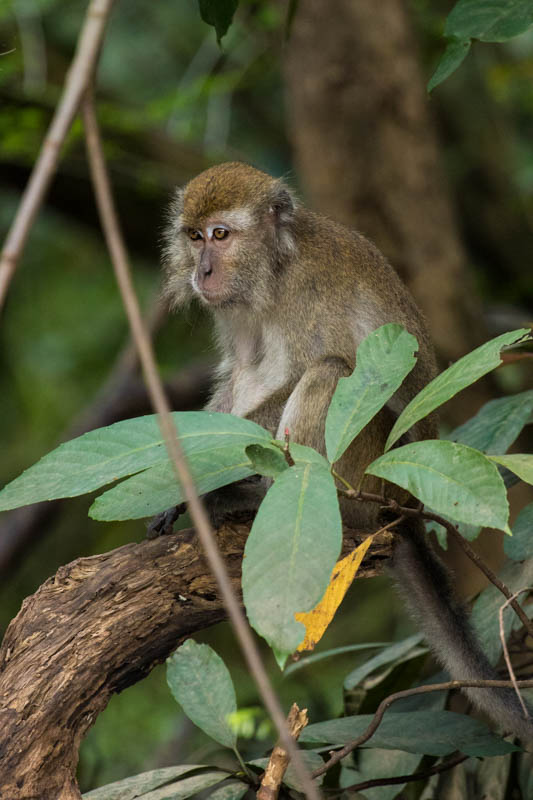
[(77, 80), (279, 758), (286, 452), (160, 403), (506, 651), (392, 698), (415, 776)]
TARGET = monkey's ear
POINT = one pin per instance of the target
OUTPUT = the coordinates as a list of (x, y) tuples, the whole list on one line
[(282, 203)]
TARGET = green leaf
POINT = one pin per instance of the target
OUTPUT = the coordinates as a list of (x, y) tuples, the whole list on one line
[(520, 464), (384, 359), (291, 550), (457, 377), (156, 489), (489, 20), (389, 655), (519, 546), (187, 787), (105, 455), (454, 55), (435, 733), (200, 682), (452, 479), (229, 791), (497, 424), (485, 616), (309, 660), (140, 785), (219, 14), (311, 760), (375, 763), (268, 461)]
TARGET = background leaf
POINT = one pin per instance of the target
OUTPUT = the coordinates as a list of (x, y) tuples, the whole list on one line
[(219, 14), (139, 785), (452, 479), (484, 615), (125, 448), (293, 546), (457, 377), (200, 682), (488, 20), (388, 655), (436, 733), (497, 424), (520, 464), (519, 546), (384, 358)]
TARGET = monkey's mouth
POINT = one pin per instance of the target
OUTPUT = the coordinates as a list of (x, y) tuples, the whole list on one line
[(212, 297)]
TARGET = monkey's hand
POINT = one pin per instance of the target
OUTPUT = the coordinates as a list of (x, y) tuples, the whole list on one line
[(163, 523)]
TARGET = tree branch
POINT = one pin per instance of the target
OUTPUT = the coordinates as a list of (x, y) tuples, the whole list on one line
[(392, 698), (99, 625)]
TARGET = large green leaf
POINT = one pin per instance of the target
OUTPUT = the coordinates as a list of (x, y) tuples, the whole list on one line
[(519, 546), (497, 424), (125, 448), (435, 733), (457, 377), (293, 546), (157, 489), (520, 464), (452, 479), (489, 20), (202, 685), (140, 785), (384, 359)]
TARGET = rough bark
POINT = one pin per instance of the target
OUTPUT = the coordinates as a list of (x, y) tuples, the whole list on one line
[(367, 153), (99, 625)]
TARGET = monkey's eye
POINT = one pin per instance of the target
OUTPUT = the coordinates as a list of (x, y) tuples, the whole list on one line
[(220, 233), (195, 235)]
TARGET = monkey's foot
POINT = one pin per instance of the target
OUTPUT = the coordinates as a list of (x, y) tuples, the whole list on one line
[(163, 523)]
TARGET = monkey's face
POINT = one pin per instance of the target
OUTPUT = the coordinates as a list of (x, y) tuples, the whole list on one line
[(229, 232), (218, 247)]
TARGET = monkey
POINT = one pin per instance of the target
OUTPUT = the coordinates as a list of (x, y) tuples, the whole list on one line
[(292, 294)]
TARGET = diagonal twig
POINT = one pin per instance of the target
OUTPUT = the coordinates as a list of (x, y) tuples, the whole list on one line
[(159, 400), (506, 651), (78, 78)]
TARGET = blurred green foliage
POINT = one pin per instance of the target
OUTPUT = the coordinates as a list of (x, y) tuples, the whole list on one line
[(170, 102)]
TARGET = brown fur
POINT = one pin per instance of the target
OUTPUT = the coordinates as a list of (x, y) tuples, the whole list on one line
[(293, 294)]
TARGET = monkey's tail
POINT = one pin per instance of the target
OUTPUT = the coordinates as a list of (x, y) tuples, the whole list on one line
[(425, 585)]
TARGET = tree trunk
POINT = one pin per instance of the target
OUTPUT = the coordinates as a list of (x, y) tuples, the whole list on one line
[(367, 155)]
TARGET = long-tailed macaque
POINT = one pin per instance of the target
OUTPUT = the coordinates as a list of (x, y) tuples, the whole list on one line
[(292, 294)]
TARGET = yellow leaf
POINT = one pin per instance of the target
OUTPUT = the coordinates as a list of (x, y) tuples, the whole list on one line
[(317, 620)]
